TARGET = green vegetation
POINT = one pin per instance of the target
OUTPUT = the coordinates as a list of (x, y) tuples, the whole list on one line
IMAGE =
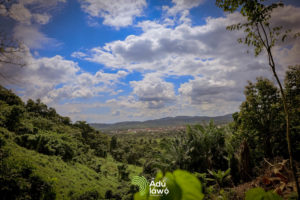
[(46, 156), (260, 194), (261, 34)]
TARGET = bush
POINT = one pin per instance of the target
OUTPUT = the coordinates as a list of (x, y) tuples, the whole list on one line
[(48, 144), (198, 149), (14, 117), (9, 97), (123, 173), (18, 181), (260, 194), (89, 195)]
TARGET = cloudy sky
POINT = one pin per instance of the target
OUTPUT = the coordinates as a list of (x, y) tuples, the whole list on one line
[(108, 61)]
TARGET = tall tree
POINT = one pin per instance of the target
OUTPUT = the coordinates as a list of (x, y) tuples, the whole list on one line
[(113, 143), (292, 88), (260, 119), (262, 36)]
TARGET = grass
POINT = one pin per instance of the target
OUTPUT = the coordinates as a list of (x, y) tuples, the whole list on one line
[(71, 179)]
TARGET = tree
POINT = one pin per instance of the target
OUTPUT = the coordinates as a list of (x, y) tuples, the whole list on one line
[(198, 149), (8, 97), (292, 89), (113, 143), (262, 36), (260, 119), (14, 117), (123, 172), (85, 128)]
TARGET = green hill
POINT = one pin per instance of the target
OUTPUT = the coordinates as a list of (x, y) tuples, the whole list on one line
[(45, 156)]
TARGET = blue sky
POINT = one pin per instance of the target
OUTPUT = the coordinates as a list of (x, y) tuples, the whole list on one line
[(108, 61)]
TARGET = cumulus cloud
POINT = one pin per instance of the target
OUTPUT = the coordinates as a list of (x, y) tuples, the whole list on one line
[(29, 11), (117, 13), (182, 5), (85, 85), (180, 8), (219, 65), (205, 90), (288, 17), (153, 91), (41, 18), (28, 16), (32, 37), (54, 79), (169, 50), (20, 13)]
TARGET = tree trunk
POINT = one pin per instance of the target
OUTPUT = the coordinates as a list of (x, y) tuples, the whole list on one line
[(287, 119), (268, 147), (245, 167), (268, 46)]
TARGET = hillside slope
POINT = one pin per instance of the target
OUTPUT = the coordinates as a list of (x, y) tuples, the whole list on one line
[(45, 156)]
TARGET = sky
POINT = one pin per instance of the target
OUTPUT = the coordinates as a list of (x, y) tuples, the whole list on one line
[(107, 61)]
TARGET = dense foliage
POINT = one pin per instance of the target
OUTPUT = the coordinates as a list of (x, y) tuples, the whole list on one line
[(46, 156), (261, 119), (263, 35)]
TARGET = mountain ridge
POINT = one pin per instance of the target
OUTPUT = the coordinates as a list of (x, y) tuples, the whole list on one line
[(162, 122)]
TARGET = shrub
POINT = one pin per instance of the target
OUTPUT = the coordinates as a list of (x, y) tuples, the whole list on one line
[(89, 195), (18, 181), (260, 194), (48, 144), (123, 173)]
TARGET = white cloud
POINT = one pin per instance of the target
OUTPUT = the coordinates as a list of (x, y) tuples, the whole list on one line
[(204, 90), (28, 16), (20, 13), (30, 11), (288, 17), (181, 8), (32, 37), (166, 49), (54, 79), (84, 85), (118, 13), (182, 5), (41, 18), (219, 65), (153, 91)]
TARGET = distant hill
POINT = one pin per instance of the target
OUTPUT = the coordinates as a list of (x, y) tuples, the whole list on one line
[(163, 122)]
